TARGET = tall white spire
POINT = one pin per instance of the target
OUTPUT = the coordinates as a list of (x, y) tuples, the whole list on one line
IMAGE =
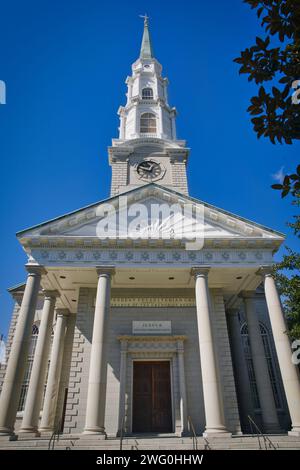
[(147, 112), (147, 150), (146, 48)]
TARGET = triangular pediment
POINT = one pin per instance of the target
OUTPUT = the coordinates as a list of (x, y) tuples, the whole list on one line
[(150, 212)]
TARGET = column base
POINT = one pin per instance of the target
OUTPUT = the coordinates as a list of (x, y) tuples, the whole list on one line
[(98, 432), (88, 435), (24, 434), (295, 431), (46, 431), (217, 433)]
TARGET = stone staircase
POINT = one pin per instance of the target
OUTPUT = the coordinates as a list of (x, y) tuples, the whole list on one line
[(158, 442)]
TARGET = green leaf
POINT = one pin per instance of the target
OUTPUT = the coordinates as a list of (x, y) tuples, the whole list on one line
[(259, 11), (262, 92), (276, 92), (285, 192), (284, 80), (260, 42)]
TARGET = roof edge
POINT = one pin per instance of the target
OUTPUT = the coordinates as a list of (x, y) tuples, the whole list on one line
[(163, 188)]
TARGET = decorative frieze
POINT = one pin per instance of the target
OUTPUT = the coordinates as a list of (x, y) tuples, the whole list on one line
[(120, 256), (152, 302)]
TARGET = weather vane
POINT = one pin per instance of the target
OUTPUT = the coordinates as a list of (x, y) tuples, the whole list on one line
[(146, 18)]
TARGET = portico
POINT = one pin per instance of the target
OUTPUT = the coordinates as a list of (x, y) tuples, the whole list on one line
[(161, 294)]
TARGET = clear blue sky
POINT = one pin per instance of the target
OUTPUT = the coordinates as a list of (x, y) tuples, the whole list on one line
[(64, 63)]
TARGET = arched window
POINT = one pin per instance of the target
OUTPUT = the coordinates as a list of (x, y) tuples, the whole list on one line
[(147, 94), (270, 361), (25, 384), (148, 123)]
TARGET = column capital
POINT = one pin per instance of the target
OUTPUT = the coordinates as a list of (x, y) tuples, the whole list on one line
[(265, 271), (200, 271), (247, 294), (180, 347), (105, 270), (53, 294), (62, 312), (35, 269)]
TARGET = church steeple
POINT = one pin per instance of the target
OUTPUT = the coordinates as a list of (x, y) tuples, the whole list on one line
[(147, 112), (147, 149), (146, 47)]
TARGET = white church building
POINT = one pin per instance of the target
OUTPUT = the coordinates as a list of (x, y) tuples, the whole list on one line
[(150, 312)]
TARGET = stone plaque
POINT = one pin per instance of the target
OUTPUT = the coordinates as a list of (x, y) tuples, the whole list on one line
[(151, 327)]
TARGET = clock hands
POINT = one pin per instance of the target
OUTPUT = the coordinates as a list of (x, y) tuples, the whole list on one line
[(149, 169), (147, 166)]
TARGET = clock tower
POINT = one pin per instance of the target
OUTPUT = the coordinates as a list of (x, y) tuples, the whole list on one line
[(147, 149)]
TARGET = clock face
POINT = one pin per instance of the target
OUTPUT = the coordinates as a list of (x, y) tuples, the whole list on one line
[(149, 170)]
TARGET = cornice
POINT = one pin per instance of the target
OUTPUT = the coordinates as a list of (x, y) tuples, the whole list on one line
[(140, 141), (90, 243)]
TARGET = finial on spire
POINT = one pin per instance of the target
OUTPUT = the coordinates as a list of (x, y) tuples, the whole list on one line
[(146, 18), (146, 48)]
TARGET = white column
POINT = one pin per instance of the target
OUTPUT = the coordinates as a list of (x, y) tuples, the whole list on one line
[(261, 371), (173, 127), (182, 389), (160, 121), (240, 367), (129, 85), (289, 371), (122, 126), (52, 387), (96, 399), (139, 85), (136, 121), (123, 365), (213, 403), (39, 367), (166, 90), (10, 395)]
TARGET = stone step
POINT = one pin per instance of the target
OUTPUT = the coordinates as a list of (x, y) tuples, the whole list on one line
[(159, 442)]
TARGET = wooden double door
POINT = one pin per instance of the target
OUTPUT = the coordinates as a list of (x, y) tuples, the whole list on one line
[(152, 404)]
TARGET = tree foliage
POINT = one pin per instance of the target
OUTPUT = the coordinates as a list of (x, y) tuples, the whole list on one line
[(275, 111), (287, 275)]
